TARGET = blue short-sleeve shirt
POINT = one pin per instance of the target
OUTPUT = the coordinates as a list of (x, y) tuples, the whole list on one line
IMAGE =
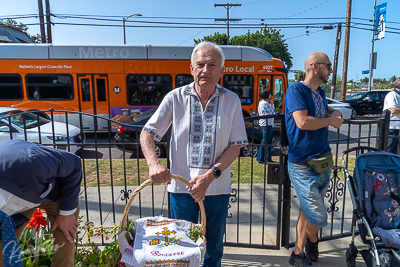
[(304, 144)]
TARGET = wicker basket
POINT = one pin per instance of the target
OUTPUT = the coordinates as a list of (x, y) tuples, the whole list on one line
[(143, 185)]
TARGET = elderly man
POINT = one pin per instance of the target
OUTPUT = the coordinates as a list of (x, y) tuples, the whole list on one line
[(392, 103), (31, 176), (307, 119), (207, 131)]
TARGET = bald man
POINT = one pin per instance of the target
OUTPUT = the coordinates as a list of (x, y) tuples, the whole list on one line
[(307, 119)]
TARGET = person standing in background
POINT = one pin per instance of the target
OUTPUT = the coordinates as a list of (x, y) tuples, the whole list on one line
[(265, 108), (308, 117), (392, 103)]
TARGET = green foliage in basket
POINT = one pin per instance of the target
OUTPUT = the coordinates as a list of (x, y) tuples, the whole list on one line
[(130, 228), (195, 232)]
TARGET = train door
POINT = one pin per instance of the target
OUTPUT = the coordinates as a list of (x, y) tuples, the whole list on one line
[(278, 93), (93, 91), (275, 85)]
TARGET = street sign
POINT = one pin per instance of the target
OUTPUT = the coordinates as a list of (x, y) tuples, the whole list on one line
[(365, 72)]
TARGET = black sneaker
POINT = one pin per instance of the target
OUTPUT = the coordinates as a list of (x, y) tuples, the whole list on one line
[(312, 250), (300, 260)]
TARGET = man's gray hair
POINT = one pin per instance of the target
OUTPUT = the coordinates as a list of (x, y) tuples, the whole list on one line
[(212, 46), (397, 83)]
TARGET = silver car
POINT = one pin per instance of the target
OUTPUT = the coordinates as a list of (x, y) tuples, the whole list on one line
[(28, 126)]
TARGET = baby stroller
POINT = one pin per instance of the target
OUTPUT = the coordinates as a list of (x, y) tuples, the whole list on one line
[(374, 189)]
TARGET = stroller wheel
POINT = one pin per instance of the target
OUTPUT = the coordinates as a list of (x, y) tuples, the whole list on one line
[(351, 261), (351, 255)]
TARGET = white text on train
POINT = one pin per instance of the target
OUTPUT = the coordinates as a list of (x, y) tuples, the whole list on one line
[(45, 67), (106, 52), (239, 69)]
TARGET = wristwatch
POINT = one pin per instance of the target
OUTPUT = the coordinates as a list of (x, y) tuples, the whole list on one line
[(217, 171)]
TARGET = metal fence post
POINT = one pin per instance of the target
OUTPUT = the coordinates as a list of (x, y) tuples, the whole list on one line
[(385, 131), (287, 195)]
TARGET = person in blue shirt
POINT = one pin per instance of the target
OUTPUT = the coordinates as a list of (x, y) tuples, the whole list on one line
[(35, 176), (307, 118)]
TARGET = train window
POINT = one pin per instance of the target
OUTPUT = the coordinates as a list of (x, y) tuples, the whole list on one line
[(10, 87), (49, 87), (85, 90), (101, 90), (183, 79), (148, 89), (242, 85)]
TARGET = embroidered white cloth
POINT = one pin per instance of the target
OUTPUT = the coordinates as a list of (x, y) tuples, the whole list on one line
[(162, 242)]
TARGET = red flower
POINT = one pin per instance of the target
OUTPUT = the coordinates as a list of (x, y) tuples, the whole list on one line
[(37, 220)]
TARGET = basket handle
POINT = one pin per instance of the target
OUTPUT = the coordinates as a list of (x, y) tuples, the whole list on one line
[(147, 182)]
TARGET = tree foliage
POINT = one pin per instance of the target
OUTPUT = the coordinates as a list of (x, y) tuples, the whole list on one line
[(269, 39), (21, 27), (300, 76), (327, 86)]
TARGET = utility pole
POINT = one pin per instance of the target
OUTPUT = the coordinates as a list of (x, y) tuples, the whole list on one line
[(228, 6), (41, 19), (346, 50), (48, 22), (335, 60), (371, 57)]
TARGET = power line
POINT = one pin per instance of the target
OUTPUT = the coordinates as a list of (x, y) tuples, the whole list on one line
[(215, 26), (140, 23), (198, 32), (119, 17)]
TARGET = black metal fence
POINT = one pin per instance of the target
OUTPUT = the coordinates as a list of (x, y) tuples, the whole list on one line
[(263, 209)]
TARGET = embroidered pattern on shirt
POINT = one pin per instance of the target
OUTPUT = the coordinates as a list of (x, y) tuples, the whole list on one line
[(152, 132), (239, 142), (202, 132), (320, 111)]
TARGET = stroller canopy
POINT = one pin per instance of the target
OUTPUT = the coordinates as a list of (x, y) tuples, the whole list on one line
[(374, 162)]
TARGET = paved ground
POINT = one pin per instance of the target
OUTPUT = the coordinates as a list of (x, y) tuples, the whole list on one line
[(331, 255)]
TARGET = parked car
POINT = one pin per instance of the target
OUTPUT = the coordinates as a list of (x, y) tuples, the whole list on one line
[(355, 95), (365, 103), (25, 126), (128, 134), (347, 111)]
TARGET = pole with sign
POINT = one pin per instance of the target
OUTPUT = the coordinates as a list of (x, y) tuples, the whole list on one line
[(377, 34), (371, 76), (380, 21)]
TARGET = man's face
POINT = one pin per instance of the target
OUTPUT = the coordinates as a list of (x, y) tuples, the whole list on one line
[(206, 70), (324, 70)]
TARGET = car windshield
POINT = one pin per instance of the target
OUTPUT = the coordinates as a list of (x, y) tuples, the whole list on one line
[(144, 114), (19, 118), (357, 96)]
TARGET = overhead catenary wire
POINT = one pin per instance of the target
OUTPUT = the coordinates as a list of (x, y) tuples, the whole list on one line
[(144, 22), (216, 26), (119, 17)]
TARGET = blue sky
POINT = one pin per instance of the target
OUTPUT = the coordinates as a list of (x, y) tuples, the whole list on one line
[(273, 11)]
